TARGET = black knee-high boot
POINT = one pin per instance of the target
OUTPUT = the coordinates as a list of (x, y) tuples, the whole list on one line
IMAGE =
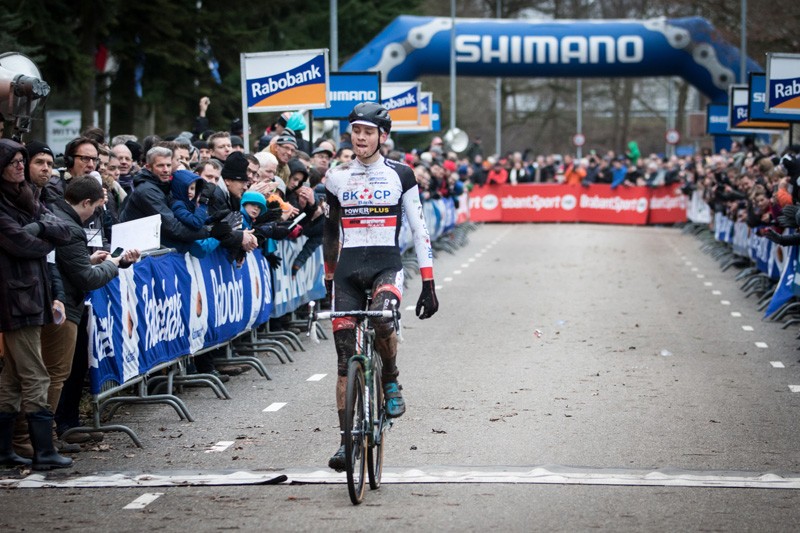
[(45, 456)]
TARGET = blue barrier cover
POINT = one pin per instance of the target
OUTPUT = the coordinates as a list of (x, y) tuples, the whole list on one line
[(169, 306)]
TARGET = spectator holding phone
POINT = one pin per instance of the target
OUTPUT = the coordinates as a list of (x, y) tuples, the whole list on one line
[(80, 272)]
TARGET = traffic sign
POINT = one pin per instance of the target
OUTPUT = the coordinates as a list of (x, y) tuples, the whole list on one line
[(672, 136), (579, 139)]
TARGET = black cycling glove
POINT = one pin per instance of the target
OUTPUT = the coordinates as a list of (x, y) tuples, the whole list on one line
[(428, 304)]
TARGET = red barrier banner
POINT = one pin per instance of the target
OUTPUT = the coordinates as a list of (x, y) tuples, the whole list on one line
[(565, 203), (668, 205)]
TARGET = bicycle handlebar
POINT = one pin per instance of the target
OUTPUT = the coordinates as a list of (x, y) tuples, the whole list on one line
[(314, 316)]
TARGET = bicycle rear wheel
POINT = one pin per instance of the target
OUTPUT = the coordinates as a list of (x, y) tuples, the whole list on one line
[(375, 450), (355, 432)]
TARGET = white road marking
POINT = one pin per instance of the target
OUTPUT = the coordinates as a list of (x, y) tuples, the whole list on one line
[(736, 314), (465, 265), (316, 377), (456, 272), (716, 293), (701, 276), (448, 279), (479, 254), (777, 364), (761, 345), (221, 446), (694, 269), (439, 287), (724, 302), (144, 500), (688, 263), (794, 388), (747, 328), (552, 474), (274, 407), (471, 260), (708, 284), (411, 308)]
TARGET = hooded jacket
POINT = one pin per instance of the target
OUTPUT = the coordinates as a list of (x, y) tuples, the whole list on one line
[(26, 289), (189, 212), (150, 197)]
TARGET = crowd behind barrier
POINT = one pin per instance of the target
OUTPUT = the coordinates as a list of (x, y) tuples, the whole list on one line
[(234, 294)]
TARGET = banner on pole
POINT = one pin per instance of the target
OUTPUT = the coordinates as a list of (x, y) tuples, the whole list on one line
[(401, 99), (276, 81), (348, 89), (783, 83)]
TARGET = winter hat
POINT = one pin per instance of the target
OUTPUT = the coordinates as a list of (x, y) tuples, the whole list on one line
[(235, 167), (253, 197), (237, 141), (35, 148), (286, 139)]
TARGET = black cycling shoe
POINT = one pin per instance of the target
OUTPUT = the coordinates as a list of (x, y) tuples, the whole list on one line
[(337, 462)]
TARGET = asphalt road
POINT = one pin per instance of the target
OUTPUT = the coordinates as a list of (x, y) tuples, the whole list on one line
[(565, 361)]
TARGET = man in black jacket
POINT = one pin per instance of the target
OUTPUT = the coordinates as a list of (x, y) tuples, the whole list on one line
[(151, 195)]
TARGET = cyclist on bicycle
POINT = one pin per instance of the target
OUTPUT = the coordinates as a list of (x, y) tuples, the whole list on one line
[(366, 199)]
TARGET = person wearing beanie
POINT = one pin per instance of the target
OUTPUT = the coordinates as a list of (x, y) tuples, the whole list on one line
[(283, 148), (40, 164), (30, 233)]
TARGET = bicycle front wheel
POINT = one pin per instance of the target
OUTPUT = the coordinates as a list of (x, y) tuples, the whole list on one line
[(355, 432), (375, 450)]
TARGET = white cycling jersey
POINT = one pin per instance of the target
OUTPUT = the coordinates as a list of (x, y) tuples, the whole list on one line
[(371, 200)]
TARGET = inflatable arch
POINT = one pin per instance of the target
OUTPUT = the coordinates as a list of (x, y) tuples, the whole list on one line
[(688, 47)]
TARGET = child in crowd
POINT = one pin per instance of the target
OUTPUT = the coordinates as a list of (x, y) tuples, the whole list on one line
[(190, 194), (253, 204), (189, 203)]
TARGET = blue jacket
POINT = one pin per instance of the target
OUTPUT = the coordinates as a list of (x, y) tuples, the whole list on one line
[(189, 212)]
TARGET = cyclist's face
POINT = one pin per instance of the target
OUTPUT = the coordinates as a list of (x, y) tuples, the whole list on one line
[(365, 139)]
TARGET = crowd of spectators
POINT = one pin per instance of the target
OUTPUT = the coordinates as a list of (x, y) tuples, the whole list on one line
[(209, 194)]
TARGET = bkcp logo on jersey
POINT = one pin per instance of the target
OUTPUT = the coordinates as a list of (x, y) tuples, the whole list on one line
[(283, 80), (401, 99), (783, 83)]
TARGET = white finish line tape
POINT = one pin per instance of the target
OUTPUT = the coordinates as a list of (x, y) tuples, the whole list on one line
[(144, 500), (552, 474)]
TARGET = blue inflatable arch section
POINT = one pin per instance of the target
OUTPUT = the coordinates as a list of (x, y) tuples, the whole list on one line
[(688, 47)]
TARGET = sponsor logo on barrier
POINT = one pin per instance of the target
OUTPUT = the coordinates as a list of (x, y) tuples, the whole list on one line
[(103, 328), (163, 317), (489, 202), (668, 202), (228, 298), (614, 203), (606, 49)]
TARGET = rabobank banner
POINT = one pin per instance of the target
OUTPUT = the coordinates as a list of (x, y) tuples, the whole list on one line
[(738, 112), (783, 83), (401, 99), (348, 89), (425, 116), (273, 81), (173, 305), (758, 101)]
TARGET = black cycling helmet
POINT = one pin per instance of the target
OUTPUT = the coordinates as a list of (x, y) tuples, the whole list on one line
[(371, 114)]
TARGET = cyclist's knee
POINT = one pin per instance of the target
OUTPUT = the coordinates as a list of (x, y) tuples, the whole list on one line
[(382, 301)]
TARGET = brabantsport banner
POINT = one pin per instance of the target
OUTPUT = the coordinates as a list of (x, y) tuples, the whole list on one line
[(565, 203)]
